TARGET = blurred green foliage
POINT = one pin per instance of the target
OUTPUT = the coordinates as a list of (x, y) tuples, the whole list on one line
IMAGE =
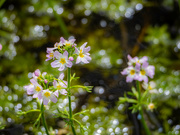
[(28, 27)]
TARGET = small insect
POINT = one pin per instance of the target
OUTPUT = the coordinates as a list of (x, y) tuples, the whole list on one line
[(59, 46)]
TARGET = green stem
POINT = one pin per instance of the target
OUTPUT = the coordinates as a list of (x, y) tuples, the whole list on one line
[(69, 97), (2, 2), (43, 119), (141, 110)]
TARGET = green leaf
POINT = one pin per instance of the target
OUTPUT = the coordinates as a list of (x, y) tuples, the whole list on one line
[(87, 88), (2, 2), (62, 113), (131, 100), (122, 100), (130, 93), (82, 112), (144, 95), (24, 113), (37, 122), (135, 92)]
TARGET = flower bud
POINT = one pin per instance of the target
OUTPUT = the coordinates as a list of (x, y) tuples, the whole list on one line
[(37, 72), (0, 47), (71, 58), (151, 106), (45, 81)]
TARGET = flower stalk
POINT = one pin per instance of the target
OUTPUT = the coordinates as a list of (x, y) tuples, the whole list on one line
[(43, 119), (69, 97), (141, 109)]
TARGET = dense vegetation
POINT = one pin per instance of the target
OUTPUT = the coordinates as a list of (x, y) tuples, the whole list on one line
[(113, 29)]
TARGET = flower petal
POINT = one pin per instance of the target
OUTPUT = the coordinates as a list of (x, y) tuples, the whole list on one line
[(61, 68), (55, 64), (129, 79), (57, 54), (34, 82), (83, 46), (45, 101), (62, 40), (56, 93), (55, 83), (87, 49), (65, 54), (39, 95), (61, 76), (72, 40), (53, 98), (63, 92), (69, 64), (76, 50), (87, 57)]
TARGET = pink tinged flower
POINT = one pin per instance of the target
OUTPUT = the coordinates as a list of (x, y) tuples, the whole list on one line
[(37, 89), (145, 71), (83, 55), (71, 58), (30, 89), (58, 45), (142, 76), (60, 85), (0, 47), (37, 72), (132, 61), (50, 54), (67, 42), (150, 71), (136, 60), (62, 61), (131, 73), (48, 95), (143, 59)]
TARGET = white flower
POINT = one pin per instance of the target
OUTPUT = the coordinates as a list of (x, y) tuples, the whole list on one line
[(151, 87), (83, 55), (48, 95), (62, 61)]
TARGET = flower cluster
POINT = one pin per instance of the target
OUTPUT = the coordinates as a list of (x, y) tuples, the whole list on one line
[(41, 89), (65, 52), (45, 87), (138, 69)]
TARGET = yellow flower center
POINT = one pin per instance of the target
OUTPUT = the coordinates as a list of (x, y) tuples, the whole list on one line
[(62, 61), (51, 55), (67, 44), (149, 87), (151, 106), (58, 87), (132, 72), (81, 54), (39, 77), (38, 88), (143, 72), (47, 94)]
